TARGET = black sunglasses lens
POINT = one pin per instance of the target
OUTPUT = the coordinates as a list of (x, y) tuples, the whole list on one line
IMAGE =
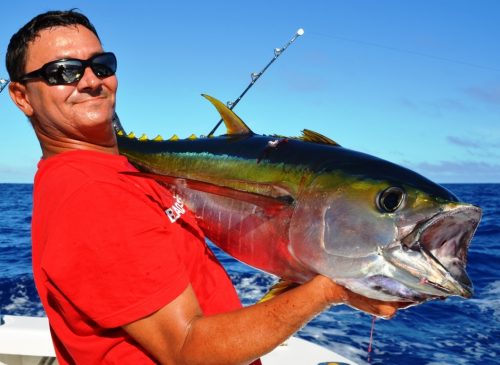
[(63, 72), (69, 71), (104, 65)]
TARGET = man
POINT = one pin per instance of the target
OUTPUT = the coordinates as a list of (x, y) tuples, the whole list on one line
[(120, 283)]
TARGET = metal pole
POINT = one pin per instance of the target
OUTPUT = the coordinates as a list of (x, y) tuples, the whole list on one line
[(256, 75)]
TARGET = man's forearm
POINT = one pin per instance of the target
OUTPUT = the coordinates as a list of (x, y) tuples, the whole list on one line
[(179, 333), (243, 335)]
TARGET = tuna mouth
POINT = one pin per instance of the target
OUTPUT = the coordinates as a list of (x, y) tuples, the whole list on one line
[(444, 241)]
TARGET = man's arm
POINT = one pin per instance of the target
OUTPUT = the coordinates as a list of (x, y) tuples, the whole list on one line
[(180, 334)]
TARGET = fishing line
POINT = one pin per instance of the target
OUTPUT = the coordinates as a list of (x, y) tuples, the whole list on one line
[(256, 75), (371, 340), (415, 53)]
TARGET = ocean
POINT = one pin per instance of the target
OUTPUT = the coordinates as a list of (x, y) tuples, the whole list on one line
[(453, 331)]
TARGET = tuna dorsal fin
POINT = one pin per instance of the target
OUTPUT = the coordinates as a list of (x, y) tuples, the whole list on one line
[(234, 124), (315, 137), (278, 288)]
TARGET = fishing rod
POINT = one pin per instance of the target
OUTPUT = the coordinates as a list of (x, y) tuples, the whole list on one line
[(256, 75), (3, 84)]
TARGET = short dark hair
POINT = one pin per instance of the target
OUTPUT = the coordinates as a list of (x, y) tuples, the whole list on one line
[(15, 59)]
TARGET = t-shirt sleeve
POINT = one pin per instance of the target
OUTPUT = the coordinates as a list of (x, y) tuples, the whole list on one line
[(113, 254)]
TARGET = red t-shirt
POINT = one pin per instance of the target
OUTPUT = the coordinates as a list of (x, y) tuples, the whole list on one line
[(109, 249)]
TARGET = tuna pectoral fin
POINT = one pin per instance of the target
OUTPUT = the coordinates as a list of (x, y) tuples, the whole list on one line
[(277, 289), (268, 203)]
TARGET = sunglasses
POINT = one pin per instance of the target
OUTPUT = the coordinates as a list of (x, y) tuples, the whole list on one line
[(70, 70)]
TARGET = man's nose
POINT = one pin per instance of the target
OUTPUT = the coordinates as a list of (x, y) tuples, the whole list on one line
[(89, 80)]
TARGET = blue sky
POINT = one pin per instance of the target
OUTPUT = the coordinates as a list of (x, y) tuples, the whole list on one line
[(413, 82)]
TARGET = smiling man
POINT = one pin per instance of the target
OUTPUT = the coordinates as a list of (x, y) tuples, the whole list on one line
[(120, 281)]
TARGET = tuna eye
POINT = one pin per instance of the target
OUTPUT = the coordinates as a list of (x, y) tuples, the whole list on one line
[(390, 199)]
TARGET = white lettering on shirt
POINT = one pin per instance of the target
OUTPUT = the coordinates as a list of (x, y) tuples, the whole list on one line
[(176, 210)]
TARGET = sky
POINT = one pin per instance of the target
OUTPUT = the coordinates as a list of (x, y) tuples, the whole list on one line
[(413, 82)]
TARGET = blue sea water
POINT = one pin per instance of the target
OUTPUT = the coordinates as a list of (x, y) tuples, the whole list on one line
[(454, 331)]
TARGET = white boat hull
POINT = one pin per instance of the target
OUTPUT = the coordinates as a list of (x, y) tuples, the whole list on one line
[(26, 341)]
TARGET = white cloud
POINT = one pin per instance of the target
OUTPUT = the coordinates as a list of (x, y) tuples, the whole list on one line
[(460, 171), (488, 94)]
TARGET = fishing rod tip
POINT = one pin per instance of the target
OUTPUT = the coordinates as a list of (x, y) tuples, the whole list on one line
[(300, 31), (3, 84)]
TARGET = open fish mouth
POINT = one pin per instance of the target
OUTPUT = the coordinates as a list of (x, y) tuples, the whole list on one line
[(443, 242)]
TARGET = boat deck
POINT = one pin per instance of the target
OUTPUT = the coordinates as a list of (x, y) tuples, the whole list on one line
[(26, 341)]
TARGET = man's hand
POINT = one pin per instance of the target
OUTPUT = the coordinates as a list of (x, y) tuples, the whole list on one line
[(179, 333), (337, 294)]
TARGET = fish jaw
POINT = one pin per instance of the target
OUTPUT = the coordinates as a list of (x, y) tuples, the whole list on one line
[(435, 253)]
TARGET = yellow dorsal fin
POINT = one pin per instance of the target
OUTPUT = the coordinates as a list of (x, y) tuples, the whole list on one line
[(120, 133), (192, 136), (144, 137), (234, 124), (174, 138), (315, 137), (278, 288), (158, 138), (131, 135)]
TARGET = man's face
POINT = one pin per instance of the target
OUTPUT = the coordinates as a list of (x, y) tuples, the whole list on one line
[(80, 111)]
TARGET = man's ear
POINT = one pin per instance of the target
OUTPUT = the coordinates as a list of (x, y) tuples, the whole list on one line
[(18, 94)]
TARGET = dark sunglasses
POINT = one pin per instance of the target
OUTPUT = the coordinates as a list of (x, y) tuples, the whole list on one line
[(70, 70)]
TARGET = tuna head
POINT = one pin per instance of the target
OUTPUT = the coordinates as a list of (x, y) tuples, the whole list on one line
[(384, 232)]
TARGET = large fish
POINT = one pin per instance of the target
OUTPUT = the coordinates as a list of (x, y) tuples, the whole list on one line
[(295, 207)]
